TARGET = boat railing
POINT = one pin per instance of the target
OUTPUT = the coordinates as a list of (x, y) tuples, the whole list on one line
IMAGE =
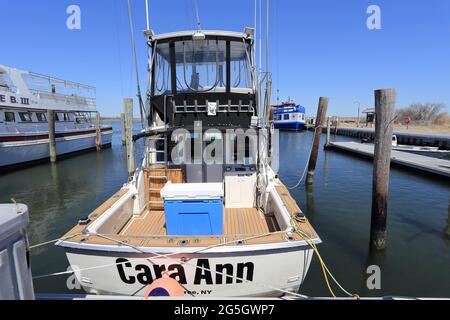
[(65, 99)]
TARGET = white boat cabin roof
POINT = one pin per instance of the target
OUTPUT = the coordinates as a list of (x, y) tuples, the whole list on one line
[(190, 33)]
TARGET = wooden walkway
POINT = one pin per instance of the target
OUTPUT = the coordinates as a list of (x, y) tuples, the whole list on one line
[(436, 166)]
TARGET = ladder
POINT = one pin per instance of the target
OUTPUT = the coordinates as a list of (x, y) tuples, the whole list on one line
[(156, 183), (158, 203)]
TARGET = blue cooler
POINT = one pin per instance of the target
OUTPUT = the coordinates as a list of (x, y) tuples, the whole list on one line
[(193, 209)]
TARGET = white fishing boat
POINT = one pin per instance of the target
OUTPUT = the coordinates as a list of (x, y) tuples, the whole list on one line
[(25, 98), (206, 207)]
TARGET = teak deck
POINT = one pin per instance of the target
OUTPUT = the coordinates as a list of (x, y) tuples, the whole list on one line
[(245, 222), (148, 229)]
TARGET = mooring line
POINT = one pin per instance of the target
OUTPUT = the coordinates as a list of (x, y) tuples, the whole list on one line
[(53, 241), (307, 162), (325, 269)]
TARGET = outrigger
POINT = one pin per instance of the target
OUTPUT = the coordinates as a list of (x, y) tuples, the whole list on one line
[(206, 206)]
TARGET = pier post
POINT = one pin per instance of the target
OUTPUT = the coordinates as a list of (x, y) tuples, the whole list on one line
[(51, 135), (336, 124), (98, 132), (128, 109), (447, 229), (327, 144), (321, 112), (384, 126), (122, 127)]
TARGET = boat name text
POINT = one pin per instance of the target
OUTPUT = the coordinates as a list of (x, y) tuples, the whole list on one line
[(204, 273), (15, 100)]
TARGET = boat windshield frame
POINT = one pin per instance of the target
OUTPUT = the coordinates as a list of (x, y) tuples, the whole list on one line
[(218, 55)]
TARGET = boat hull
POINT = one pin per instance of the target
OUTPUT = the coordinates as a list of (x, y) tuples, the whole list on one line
[(290, 126), (221, 274), (13, 153)]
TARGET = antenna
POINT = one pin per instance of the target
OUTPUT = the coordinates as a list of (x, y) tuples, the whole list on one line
[(260, 35), (267, 35), (141, 104), (146, 13), (198, 16)]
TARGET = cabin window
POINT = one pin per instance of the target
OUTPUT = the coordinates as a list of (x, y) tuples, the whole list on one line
[(56, 117), (163, 75), (10, 117), (41, 117), (286, 117), (66, 117), (240, 68), (25, 116), (201, 65)]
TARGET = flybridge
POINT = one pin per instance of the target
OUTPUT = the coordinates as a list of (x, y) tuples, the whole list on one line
[(23, 89), (209, 78)]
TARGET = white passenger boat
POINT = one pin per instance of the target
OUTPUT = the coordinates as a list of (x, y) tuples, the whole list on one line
[(289, 116), (25, 98), (214, 217)]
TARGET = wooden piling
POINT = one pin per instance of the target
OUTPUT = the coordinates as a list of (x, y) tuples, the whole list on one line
[(327, 144), (128, 109), (122, 126), (384, 126), (98, 132), (51, 134), (321, 112), (447, 229)]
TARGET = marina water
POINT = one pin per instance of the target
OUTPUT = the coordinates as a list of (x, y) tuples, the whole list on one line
[(416, 262)]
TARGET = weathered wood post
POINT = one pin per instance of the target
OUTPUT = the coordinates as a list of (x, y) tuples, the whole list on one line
[(98, 132), (128, 109), (384, 126), (327, 144), (122, 127), (447, 229), (51, 135), (321, 112)]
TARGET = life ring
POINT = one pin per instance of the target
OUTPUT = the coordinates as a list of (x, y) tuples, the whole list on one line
[(164, 287)]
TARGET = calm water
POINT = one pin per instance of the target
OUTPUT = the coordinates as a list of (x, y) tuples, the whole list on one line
[(416, 263)]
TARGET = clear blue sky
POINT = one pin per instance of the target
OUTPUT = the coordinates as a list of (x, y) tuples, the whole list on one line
[(318, 47)]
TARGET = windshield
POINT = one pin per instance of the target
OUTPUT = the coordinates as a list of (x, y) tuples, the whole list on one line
[(201, 66)]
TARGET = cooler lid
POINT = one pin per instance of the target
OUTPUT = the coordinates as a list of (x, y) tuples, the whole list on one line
[(184, 191)]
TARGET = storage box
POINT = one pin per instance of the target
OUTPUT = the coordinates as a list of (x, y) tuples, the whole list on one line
[(193, 209)]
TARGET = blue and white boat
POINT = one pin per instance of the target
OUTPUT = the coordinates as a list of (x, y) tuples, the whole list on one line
[(289, 116)]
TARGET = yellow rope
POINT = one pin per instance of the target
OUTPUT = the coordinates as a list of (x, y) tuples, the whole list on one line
[(322, 263)]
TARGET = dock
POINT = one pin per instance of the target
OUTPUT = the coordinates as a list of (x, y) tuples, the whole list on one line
[(409, 138), (439, 167)]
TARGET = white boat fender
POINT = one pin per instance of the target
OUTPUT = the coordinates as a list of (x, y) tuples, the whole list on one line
[(164, 287)]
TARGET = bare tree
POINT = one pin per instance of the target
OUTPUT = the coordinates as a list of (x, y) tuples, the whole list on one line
[(426, 112)]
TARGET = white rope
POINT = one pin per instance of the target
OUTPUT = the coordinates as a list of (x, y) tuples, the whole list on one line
[(307, 162), (53, 241), (326, 268)]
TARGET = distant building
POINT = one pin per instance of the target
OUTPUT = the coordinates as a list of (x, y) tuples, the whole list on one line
[(370, 116)]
